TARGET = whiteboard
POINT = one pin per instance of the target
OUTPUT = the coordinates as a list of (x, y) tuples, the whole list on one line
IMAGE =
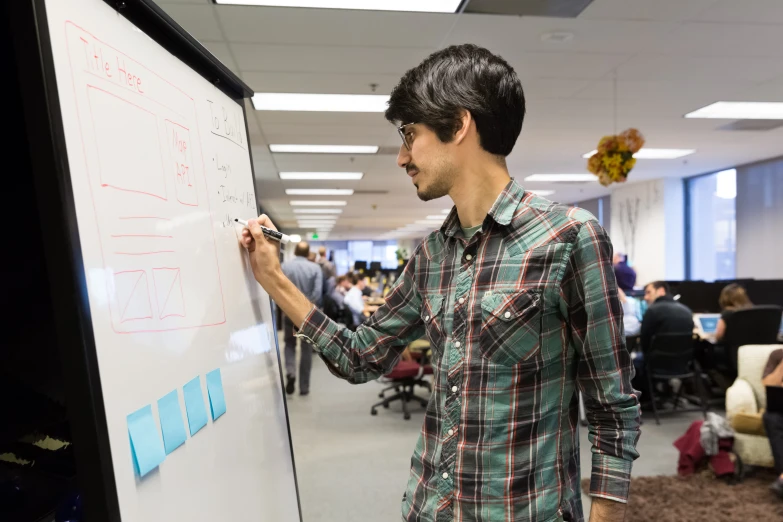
[(159, 163)]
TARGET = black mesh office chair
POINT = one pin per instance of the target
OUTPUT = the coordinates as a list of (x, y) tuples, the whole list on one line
[(672, 356), (755, 325)]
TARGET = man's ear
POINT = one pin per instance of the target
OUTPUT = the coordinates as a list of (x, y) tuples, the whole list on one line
[(466, 119)]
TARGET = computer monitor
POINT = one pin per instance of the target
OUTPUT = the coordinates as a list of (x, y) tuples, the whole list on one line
[(375, 266), (360, 266), (707, 324)]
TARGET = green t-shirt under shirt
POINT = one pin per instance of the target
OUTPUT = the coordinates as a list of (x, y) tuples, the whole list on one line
[(471, 231)]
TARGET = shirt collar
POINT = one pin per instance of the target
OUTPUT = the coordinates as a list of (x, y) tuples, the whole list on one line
[(502, 211)]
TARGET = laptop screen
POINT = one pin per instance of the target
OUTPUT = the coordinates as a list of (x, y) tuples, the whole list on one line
[(709, 324)]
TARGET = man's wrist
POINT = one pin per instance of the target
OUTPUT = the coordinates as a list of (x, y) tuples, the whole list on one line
[(607, 510)]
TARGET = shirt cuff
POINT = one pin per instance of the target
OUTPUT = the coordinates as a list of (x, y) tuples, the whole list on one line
[(610, 478), (319, 330)]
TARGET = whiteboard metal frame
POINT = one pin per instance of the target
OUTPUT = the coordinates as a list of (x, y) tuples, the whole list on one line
[(62, 245)]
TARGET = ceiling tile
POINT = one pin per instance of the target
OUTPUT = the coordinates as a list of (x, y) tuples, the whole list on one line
[(743, 12), (333, 27), (645, 10), (345, 83), (198, 20), (325, 59), (699, 68)]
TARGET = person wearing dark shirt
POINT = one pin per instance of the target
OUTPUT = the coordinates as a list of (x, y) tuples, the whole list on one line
[(773, 421), (664, 315), (625, 275), (732, 298)]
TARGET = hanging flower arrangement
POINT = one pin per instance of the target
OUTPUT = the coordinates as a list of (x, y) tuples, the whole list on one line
[(614, 159)]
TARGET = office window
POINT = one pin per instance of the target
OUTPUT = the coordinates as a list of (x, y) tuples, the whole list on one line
[(712, 226)]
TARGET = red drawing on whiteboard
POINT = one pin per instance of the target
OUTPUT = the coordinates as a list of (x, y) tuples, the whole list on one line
[(178, 138), (133, 295), (168, 292), (138, 145)]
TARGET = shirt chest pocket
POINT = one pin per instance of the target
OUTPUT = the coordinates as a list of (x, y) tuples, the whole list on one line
[(510, 326), (432, 316)]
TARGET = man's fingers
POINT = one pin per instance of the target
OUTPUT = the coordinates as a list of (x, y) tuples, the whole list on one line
[(264, 221), (255, 229)]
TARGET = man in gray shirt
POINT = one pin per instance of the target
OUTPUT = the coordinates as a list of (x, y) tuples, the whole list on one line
[(308, 278)]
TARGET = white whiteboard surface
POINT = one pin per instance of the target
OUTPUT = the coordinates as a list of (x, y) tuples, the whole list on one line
[(160, 166)]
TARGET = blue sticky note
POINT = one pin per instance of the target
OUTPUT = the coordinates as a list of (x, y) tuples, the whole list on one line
[(217, 401), (171, 422), (146, 447), (194, 404)]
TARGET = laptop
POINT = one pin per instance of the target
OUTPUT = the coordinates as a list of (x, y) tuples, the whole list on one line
[(775, 399), (706, 324)]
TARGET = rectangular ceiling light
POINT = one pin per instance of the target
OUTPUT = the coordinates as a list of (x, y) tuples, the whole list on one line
[(649, 153), (325, 149), (317, 218), (436, 218), (269, 101), (418, 6), (446, 210), (318, 211), (563, 178), (740, 111), (328, 176), (305, 203), (542, 193), (319, 192)]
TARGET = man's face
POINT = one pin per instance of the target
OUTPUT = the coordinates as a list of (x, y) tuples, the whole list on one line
[(651, 294), (346, 284), (429, 162)]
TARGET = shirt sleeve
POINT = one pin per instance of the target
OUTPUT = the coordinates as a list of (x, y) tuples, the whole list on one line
[(375, 347), (774, 360), (605, 368)]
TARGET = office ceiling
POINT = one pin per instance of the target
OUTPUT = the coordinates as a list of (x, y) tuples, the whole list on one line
[(670, 57)]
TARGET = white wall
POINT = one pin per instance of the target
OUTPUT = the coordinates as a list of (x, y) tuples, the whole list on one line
[(647, 224)]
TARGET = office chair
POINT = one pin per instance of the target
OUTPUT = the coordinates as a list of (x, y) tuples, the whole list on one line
[(754, 325), (404, 377), (671, 356)]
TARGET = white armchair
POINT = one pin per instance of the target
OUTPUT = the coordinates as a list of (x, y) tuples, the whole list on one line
[(747, 395)]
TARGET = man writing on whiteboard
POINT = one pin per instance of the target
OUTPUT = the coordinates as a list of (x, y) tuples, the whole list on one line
[(518, 298)]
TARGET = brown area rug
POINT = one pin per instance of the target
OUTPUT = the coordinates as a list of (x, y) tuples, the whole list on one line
[(702, 497)]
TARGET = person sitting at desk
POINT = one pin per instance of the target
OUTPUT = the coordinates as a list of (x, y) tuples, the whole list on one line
[(625, 275), (664, 315), (732, 298), (773, 421), (354, 299)]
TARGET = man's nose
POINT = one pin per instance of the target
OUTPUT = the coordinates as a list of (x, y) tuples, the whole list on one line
[(403, 157)]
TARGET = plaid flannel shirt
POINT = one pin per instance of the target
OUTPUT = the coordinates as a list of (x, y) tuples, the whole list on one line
[(519, 318)]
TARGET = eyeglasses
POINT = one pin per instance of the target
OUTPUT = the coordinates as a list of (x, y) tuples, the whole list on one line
[(407, 138)]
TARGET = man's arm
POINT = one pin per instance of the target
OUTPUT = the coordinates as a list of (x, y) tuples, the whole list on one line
[(773, 372), (605, 370), (359, 356)]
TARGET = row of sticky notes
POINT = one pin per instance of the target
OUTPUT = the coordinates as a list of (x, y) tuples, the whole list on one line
[(146, 448)]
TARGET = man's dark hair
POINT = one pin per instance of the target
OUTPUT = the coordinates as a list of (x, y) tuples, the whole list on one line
[(462, 77), (661, 284), (302, 249)]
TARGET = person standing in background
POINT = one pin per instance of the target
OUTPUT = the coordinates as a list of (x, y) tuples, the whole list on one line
[(329, 271), (625, 275), (308, 278)]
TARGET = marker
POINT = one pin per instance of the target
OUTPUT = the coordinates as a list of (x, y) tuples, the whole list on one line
[(274, 235)]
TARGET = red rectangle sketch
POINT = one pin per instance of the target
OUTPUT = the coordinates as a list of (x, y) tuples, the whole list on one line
[(128, 145), (133, 295), (168, 292), (181, 164)]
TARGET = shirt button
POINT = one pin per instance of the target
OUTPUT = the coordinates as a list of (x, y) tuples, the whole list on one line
[(454, 389), (427, 318), (457, 344), (445, 475), (461, 300), (468, 257), (451, 432), (507, 315)]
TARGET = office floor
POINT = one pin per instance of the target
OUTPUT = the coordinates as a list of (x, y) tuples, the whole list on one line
[(352, 467)]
